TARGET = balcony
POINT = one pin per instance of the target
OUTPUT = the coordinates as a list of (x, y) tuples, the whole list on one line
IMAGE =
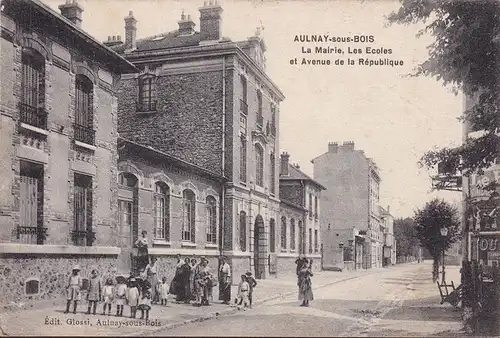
[(31, 235), (36, 117), (145, 107), (82, 238), (84, 134), (243, 107)]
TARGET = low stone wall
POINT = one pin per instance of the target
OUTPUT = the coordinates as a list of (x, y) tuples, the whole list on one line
[(45, 277)]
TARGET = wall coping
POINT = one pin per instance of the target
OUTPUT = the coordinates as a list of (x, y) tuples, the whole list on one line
[(15, 248), (166, 251)]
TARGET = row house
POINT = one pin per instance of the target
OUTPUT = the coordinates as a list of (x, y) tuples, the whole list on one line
[(58, 150), (204, 100), (300, 230)]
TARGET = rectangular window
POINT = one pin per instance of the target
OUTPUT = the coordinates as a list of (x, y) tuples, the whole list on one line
[(33, 89), (84, 131), (243, 159), (310, 206), (125, 210), (310, 241), (243, 124), (272, 170), (211, 225), (273, 119), (82, 213), (316, 207), (243, 99), (147, 102), (283, 233), (259, 166), (30, 229), (315, 241), (161, 216)]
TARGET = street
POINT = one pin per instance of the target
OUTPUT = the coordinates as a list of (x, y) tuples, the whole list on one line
[(398, 301)]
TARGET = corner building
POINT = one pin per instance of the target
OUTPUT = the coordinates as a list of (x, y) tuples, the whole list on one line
[(58, 150), (205, 101)]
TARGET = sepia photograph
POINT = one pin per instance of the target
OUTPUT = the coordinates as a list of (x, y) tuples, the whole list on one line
[(250, 168)]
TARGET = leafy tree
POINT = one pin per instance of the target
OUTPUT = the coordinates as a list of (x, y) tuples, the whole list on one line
[(429, 220), (406, 236), (466, 55)]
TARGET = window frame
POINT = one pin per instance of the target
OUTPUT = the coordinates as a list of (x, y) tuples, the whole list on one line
[(283, 233), (161, 195), (259, 165), (211, 218), (188, 227), (243, 231)]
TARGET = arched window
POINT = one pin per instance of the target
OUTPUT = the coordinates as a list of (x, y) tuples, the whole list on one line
[(292, 234), (188, 216), (243, 231), (272, 235), (33, 89), (84, 111), (211, 220), (128, 203), (283, 232), (259, 165), (162, 211), (147, 94)]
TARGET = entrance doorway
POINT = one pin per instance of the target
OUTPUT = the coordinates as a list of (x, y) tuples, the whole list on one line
[(259, 248)]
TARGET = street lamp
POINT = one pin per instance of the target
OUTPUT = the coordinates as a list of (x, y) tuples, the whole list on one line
[(444, 233)]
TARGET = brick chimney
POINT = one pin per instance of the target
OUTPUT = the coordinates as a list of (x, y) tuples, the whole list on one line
[(130, 31), (349, 146), (114, 40), (284, 164), (72, 11), (186, 25), (211, 21), (333, 147)]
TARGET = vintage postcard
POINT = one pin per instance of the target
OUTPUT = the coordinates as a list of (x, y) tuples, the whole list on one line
[(249, 168)]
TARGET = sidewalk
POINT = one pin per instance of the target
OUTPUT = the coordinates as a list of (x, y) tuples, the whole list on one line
[(52, 321)]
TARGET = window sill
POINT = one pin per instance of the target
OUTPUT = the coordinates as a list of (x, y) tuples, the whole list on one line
[(161, 242), (188, 244), (145, 113), (35, 129), (85, 145), (211, 246)]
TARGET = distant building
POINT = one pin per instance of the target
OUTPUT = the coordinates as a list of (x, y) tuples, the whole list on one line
[(206, 102), (350, 204), (389, 240), (58, 150), (299, 228)]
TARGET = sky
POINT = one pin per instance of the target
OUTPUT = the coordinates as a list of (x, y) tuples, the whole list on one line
[(394, 118)]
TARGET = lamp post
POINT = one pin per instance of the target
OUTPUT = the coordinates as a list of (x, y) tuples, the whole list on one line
[(444, 233)]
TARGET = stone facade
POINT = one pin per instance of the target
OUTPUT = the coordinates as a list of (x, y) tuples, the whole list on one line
[(43, 148), (351, 199)]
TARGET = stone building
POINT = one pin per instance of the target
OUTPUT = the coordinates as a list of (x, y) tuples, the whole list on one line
[(58, 116), (207, 101), (350, 203), (299, 228)]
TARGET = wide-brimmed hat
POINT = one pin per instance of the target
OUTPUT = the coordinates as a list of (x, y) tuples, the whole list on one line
[(77, 267), (248, 273)]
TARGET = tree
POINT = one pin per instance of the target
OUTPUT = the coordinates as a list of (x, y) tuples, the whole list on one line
[(465, 55), (406, 236), (435, 215)]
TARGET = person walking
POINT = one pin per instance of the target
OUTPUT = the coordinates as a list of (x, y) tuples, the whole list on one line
[(225, 281), (74, 289), (305, 284)]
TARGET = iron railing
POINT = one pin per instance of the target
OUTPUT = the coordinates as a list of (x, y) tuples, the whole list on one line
[(31, 235), (36, 117), (84, 134), (146, 106), (82, 238)]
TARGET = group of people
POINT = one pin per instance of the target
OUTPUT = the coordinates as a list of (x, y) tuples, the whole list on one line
[(304, 274), (193, 282), (134, 292)]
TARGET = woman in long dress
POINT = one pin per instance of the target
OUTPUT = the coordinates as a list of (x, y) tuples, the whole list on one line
[(142, 250), (305, 284)]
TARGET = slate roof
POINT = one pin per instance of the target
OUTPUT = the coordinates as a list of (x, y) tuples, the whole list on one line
[(295, 173)]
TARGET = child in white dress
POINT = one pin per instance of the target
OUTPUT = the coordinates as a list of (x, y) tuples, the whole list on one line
[(120, 296), (108, 293), (164, 288), (133, 297)]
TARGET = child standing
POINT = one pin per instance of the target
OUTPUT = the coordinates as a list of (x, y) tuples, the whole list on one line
[(120, 297), (251, 283), (95, 292), (164, 288), (108, 295), (145, 303), (243, 288), (133, 297), (73, 288)]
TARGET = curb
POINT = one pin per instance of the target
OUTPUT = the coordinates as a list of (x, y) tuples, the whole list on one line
[(234, 310)]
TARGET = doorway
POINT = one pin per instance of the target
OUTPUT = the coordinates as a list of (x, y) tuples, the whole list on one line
[(260, 255)]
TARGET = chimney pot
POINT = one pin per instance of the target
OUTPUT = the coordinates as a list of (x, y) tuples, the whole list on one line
[(130, 13), (72, 11), (211, 22), (130, 31), (284, 164), (333, 147)]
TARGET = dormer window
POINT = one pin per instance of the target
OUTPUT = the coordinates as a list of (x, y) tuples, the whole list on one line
[(147, 94)]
